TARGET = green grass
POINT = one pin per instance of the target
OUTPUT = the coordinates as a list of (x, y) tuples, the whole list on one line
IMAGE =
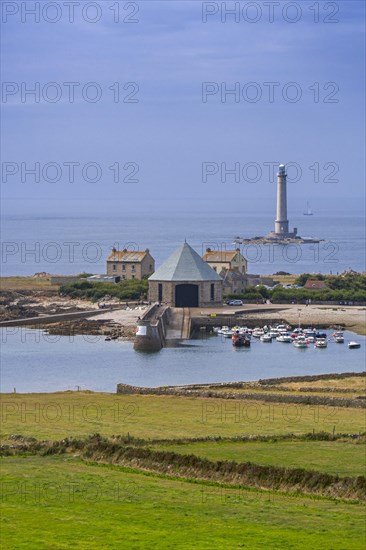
[(332, 457), (58, 415), (66, 503)]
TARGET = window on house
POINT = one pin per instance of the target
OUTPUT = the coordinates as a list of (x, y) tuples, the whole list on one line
[(123, 277), (160, 292), (132, 268), (114, 267), (212, 292), (123, 267), (133, 276), (150, 267)]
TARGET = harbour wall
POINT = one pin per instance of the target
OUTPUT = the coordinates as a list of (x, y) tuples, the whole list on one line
[(151, 329)]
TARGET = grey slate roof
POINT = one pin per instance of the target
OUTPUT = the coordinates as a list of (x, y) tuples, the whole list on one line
[(185, 265)]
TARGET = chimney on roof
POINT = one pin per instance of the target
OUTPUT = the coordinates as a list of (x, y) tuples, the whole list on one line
[(114, 250), (208, 249)]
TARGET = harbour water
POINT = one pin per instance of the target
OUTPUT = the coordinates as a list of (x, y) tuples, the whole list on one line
[(36, 362)]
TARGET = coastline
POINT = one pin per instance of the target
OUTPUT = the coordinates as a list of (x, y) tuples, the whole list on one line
[(33, 297)]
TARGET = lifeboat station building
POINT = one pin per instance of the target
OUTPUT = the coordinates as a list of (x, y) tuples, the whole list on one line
[(186, 280)]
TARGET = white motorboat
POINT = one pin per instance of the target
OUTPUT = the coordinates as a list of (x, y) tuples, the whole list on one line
[(300, 342), (354, 345), (245, 332), (226, 332), (311, 339), (284, 337), (258, 332), (266, 338), (321, 343), (338, 337)]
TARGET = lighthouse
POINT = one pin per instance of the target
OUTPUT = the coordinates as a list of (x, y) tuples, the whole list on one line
[(281, 231), (281, 223)]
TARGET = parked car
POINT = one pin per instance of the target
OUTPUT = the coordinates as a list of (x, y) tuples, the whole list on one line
[(234, 302)]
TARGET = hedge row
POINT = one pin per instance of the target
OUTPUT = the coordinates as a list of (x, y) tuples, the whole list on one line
[(100, 449), (124, 290)]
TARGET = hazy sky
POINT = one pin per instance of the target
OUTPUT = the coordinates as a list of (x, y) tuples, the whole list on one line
[(165, 130)]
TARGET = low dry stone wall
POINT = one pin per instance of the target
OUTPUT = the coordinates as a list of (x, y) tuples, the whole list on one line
[(267, 397)]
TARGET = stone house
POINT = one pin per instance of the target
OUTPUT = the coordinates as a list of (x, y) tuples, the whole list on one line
[(231, 266), (226, 259), (234, 282), (185, 280), (130, 264)]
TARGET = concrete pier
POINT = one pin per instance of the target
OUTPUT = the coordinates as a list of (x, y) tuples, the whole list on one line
[(161, 326)]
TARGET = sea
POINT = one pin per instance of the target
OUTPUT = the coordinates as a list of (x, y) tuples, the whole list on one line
[(67, 245)]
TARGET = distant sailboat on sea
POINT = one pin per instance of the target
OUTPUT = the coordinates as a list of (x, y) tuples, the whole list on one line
[(308, 212)]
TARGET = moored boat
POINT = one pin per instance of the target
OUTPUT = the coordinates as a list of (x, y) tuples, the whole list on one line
[(338, 337), (300, 342), (284, 337), (240, 340), (321, 343), (354, 345), (266, 338)]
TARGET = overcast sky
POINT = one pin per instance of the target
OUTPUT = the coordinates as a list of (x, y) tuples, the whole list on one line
[(165, 130)]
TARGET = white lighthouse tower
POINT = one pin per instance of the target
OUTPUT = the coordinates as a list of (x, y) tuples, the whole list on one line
[(281, 231), (281, 223)]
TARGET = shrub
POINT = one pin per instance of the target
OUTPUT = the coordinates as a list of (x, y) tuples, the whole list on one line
[(124, 290)]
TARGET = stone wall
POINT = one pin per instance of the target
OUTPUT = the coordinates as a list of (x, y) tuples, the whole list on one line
[(188, 391)]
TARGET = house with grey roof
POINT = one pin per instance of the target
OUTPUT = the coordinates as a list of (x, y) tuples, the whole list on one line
[(186, 280)]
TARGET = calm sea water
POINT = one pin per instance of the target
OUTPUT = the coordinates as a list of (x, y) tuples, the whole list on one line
[(35, 362), (69, 245)]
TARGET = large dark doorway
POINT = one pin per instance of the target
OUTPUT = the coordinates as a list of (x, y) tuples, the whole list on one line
[(186, 296)]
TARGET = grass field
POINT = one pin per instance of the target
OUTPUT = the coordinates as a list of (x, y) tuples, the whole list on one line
[(333, 457), (27, 283), (58, 415), (353, 382), (65, 501), (58, 502), (317, 390)]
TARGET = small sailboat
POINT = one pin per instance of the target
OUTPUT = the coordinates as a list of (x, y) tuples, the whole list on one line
[(308, 212)]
